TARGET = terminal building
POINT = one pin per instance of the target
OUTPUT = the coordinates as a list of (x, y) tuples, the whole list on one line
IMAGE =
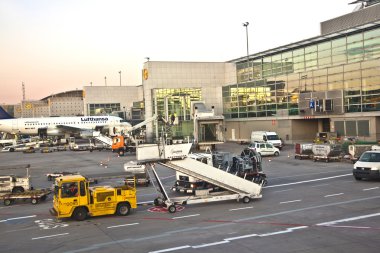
[(69, 103), (328, 83)]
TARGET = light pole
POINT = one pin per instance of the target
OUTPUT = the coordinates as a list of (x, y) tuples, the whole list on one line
[(245, 24), (105, 80), (120, 77)]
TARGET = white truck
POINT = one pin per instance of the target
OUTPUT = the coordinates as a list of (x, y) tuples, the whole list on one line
[(264, 136), (14, 184), (136, 173), (14, 188)]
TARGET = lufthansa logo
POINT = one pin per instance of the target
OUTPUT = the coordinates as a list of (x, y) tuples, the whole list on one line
[(145, 74)]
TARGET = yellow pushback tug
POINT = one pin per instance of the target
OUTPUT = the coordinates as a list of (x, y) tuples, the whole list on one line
[(73, 197)]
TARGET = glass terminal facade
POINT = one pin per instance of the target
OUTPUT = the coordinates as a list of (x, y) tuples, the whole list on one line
[(270, 84), (177, 102)]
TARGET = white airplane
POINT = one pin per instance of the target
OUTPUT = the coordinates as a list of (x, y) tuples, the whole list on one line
[(83, 126)]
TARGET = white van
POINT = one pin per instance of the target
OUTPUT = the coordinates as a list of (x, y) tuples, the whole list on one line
[(270, 137)]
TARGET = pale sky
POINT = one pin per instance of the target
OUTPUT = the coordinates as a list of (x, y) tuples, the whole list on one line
[(60, 45)]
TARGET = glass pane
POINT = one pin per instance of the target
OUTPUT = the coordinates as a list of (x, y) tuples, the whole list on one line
[(351, 128), (372, 33), (351, 67), (298, 52), (370, 64), (335, 70), (352, 75), (339, 128), (354, 38), (311, 49), (324, 46), (339, 42)]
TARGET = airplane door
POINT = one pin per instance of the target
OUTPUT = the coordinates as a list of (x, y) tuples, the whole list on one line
[(42, 132)]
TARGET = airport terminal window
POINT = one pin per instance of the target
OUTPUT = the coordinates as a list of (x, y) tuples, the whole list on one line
[(356, 79), (352, 128), (178, 103)]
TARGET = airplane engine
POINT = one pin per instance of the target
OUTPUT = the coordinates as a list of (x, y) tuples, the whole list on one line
[(86, 133), (53, 132)]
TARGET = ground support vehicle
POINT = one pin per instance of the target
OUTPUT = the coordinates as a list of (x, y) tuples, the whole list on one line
[(82, 147), (35, 196), (122, 144), (368, 166), (29, 150), (18, 147), (326, 137), (14, 184), (188, 184), (54, 175), (61, 148), (264, 148), (74, 198), (127, 142), (136, 173), (247, 165), (327, 152), (303, 151), (176, 158), (264, 136), (357, 150)]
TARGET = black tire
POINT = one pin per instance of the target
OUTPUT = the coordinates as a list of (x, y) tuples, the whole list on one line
[(358, 178), (50, 178), (11, 150), (246, 199), (18, 190), (123, 209), (7, 202), (79, 214), (172, 209), (276, 153), (34, 201), (157, 202)]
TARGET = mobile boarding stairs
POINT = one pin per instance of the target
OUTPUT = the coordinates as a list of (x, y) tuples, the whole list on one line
[(175, 157)]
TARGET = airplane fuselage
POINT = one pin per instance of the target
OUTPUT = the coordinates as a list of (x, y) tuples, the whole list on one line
[(58, 126)]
